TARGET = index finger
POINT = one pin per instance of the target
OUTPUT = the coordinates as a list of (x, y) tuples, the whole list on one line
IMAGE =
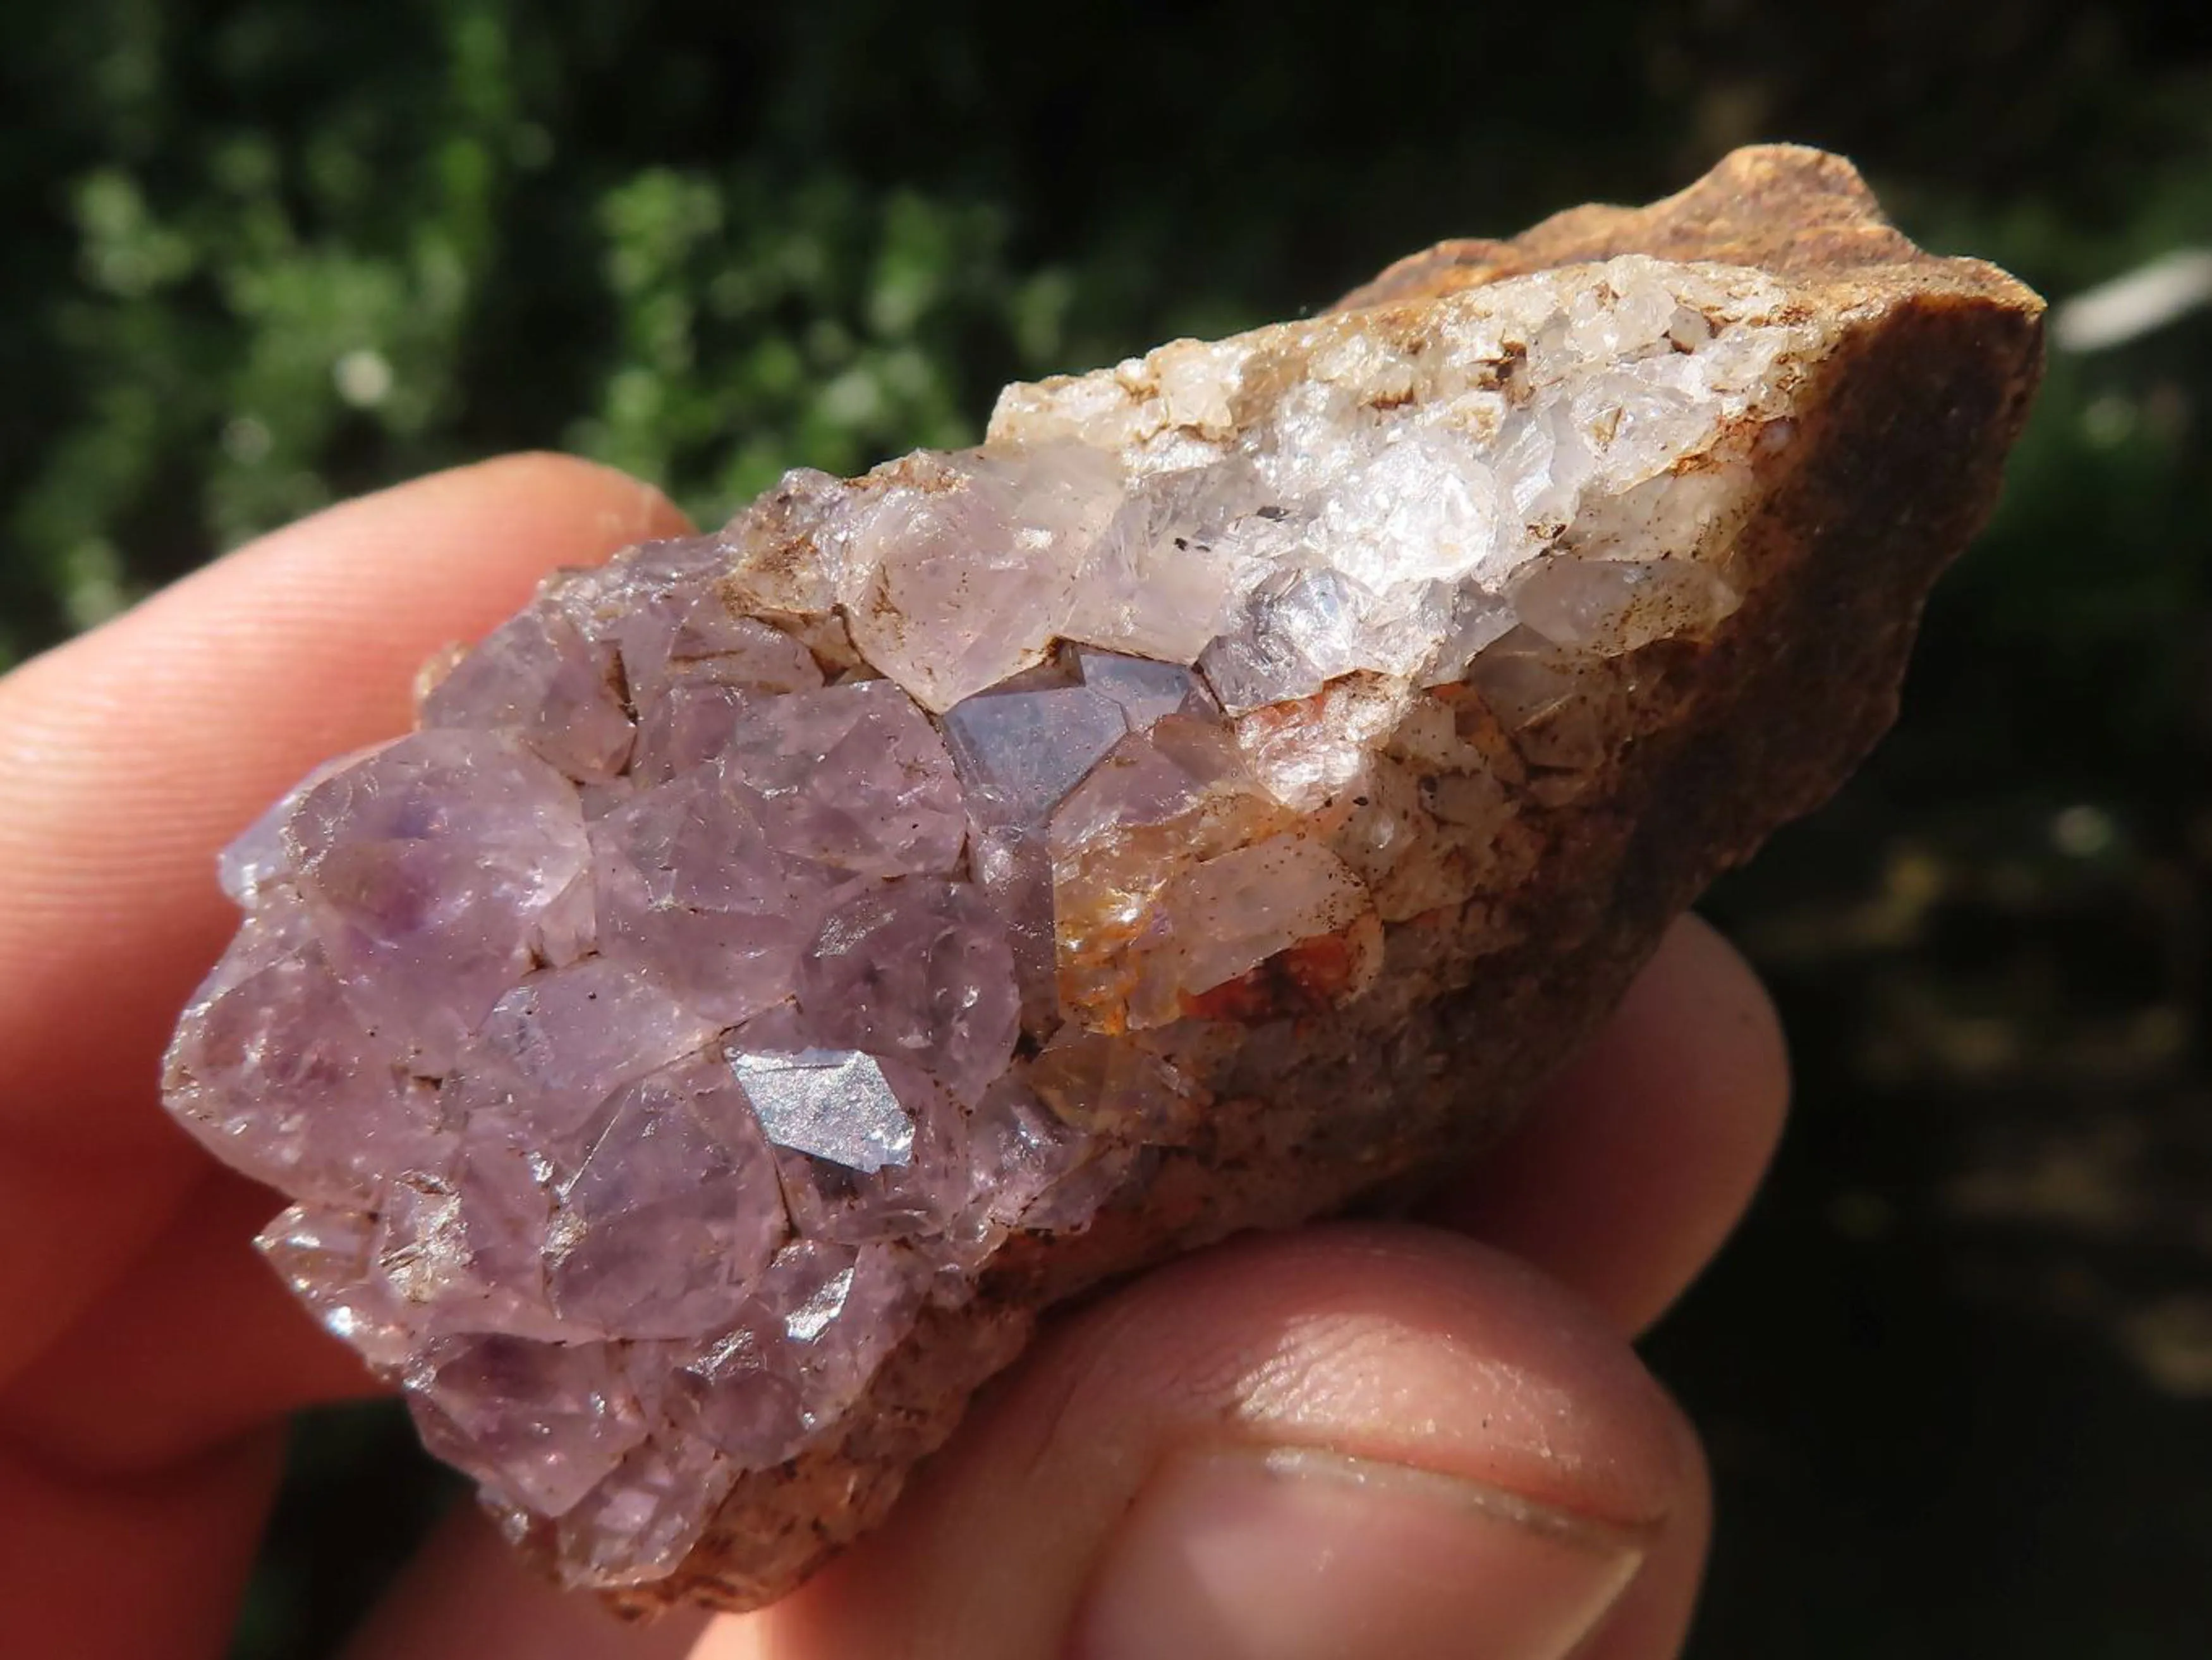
[(128, 757)]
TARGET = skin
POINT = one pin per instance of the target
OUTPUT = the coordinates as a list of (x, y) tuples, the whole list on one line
[(146, 1357)]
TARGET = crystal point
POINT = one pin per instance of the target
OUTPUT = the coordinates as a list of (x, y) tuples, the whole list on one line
[(832, 1103)]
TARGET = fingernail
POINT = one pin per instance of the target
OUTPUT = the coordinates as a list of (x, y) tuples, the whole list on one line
[(1298, 1554)]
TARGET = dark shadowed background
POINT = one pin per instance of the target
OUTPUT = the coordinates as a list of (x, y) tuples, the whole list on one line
[(1957, 1372)]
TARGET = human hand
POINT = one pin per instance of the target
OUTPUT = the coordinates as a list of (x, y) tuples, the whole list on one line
[(1349, 1440)]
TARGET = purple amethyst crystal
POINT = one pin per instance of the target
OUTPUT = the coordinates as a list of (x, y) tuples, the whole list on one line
[(638, 1038)]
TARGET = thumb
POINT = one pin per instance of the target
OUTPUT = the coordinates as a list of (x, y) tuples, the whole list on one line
[(1345, 1441), (1348, 1442)]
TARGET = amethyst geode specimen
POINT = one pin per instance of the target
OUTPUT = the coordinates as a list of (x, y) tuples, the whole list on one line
[(784, 960)]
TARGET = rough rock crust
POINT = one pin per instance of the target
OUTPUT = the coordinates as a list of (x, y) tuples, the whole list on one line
[(1901, 430)]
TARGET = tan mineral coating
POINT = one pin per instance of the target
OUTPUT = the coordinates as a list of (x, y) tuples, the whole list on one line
[(1902, 426)]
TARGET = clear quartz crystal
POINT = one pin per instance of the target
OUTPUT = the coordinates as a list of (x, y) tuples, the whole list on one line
[(765, 927)]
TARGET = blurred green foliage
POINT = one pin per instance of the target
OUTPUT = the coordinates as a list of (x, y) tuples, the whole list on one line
[(265, 254)]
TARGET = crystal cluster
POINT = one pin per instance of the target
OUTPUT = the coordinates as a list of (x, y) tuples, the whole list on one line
[(746, 942), (764, 934)]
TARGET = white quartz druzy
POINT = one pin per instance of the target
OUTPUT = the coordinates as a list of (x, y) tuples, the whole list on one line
[(1363, 491)]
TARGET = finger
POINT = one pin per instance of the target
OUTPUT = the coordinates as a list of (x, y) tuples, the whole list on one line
[(126, 1566), (468, 1595), (129, 756), (201, 1312), (1345, 1441), (1628, 1173)]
